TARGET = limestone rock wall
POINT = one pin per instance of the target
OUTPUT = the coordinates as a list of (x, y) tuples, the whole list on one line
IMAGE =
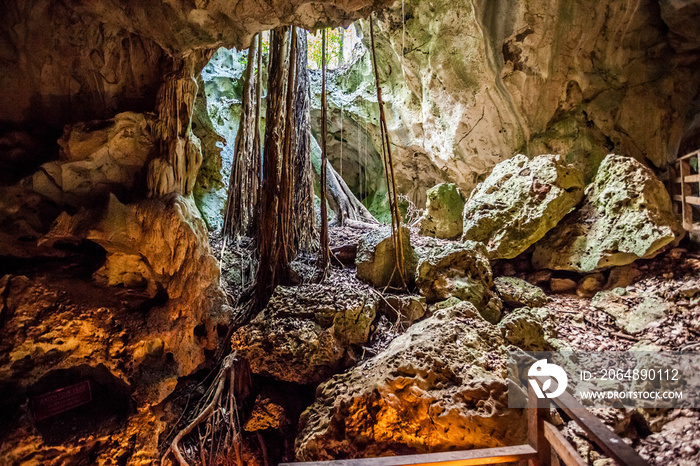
[(470, 83)]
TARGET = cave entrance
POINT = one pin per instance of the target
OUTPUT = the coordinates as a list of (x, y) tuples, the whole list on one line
[(353, 141)]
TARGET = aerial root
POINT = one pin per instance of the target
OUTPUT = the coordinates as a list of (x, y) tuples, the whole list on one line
[(218, 415)]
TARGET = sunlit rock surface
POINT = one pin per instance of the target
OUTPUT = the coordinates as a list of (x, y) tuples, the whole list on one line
[(443, 212), (626, 215), (440, 386), (519, 202), (469, 84), (306, 334), (161, 246), (376, 258), (143, 320)]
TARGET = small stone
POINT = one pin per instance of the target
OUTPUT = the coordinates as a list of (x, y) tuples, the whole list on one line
[(460, 270), (266, 415), (622, 276), (676, 253), (515, 292), (562, 285), (523, 328), (509, 269), (589, 285), (492, 312), (407, 309), (539, 277)]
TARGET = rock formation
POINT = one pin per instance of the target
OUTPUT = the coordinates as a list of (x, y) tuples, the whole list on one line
[(626, 215), (456, 270), (443, 212), (469, 84), (98, 158), (519, 202), (439, 386), (307, 334), (146, 318), (516, 292), (376, 259)]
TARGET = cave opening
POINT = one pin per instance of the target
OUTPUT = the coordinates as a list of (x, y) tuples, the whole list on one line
[(246, 233)]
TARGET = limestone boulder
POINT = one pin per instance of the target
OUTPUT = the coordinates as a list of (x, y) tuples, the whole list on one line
[(523, 327), (306, 334), (516, 292), (443, 212), (440, 386), (626, 215), (456, 270), (519, 202), (631, 312), (404, 309), (97, 158), (376, 258)]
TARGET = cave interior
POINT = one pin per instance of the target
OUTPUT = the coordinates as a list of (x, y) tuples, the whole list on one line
[(253, 233)]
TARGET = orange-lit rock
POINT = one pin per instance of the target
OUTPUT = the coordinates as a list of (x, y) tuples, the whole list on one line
[(440, 386)]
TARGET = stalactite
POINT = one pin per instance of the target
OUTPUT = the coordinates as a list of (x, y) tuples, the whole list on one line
[(180, 154)]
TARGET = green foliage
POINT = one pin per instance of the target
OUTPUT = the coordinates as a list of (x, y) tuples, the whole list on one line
[(334, 48)]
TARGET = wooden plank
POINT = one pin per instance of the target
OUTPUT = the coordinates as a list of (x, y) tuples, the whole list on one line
[(689, 199), (686, 210), (692, 200), (562, 447), (602, 435), (537, 413), (692, 179), (687, 156), (450, 458)]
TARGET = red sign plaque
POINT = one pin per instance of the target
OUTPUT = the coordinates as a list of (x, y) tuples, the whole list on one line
[(61, 400)]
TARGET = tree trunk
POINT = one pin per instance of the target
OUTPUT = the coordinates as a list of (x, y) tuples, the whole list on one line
[(304, 214), (343, 202), (324, 252), (243, 183), (275, 238)]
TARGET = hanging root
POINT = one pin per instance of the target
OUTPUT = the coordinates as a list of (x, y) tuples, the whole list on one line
[(216, 419)]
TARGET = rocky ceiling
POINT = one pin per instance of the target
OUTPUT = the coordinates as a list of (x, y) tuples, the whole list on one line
[(70, 61)]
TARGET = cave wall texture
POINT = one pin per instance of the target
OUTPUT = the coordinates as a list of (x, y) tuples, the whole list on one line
[(106, 272), (477, 81), (480, 81)]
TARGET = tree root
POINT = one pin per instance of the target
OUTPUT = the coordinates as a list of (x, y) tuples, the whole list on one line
[(218, 413)]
